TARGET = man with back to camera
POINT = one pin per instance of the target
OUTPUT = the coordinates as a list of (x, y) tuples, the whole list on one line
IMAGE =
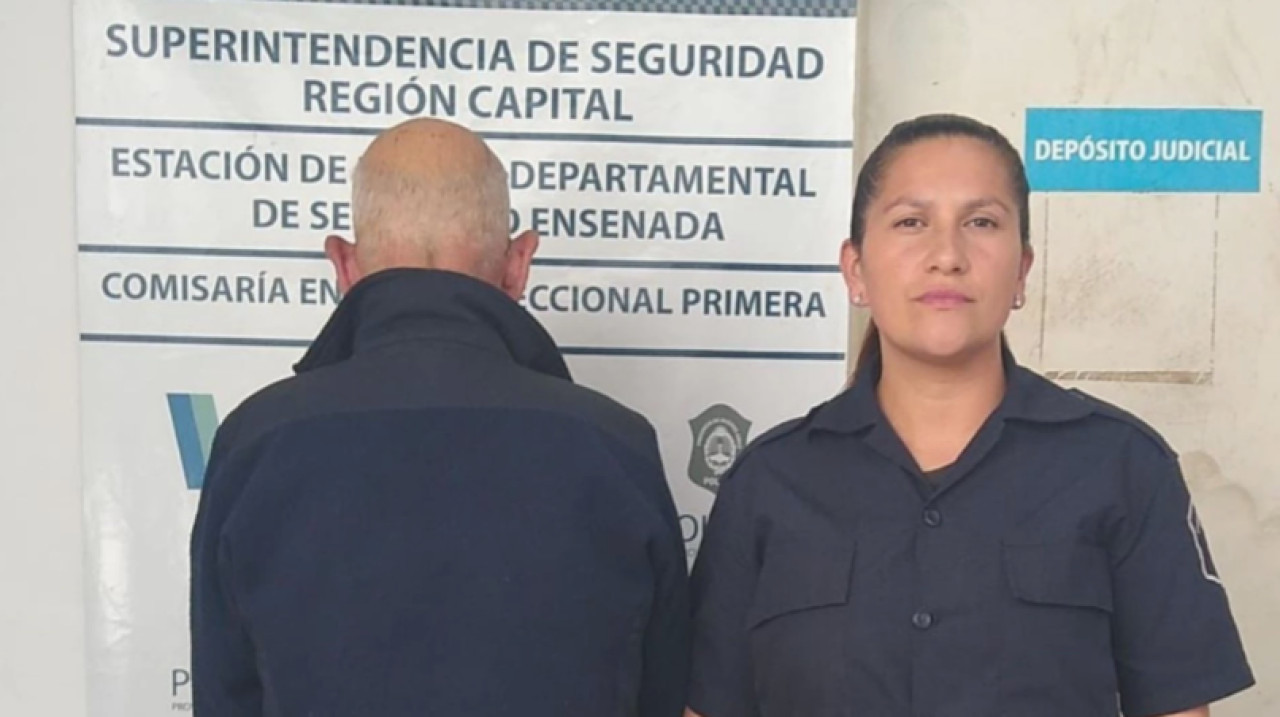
[(430, 518)]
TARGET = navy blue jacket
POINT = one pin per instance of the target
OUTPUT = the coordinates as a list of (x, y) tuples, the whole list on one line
[(430, 518)]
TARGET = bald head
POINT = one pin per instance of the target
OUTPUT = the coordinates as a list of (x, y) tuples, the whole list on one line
[(430, 194)]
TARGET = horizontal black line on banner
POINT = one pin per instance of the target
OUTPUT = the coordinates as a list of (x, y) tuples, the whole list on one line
[(604, 351), (818, 9), (690, 265), (200, 251), (142, 123), (762, 267), (171, 340), (703, 353)]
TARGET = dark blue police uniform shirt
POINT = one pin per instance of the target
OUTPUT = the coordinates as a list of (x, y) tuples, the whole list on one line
[(1056, 569)]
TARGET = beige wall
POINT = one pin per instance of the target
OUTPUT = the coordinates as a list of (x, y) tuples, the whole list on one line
[(1187, 285), (41, 603)]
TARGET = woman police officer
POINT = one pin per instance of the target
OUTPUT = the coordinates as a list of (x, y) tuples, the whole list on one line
[(953, 535)]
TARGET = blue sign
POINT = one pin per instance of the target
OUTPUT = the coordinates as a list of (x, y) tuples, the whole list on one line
[(195, 423), (1143, 150)]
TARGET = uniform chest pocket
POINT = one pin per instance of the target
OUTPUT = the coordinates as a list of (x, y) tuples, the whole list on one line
[(1056, 648), (1064, 573), (798, 627), (799, 576)]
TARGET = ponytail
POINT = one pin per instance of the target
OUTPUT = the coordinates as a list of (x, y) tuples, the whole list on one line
[(869, 352)]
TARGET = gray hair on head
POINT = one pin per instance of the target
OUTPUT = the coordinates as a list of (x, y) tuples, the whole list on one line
[(416, 202)]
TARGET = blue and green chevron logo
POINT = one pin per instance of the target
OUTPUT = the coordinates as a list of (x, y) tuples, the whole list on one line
[(195, 420)]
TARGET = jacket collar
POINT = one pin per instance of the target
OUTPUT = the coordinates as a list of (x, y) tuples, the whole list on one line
[(406, 304)]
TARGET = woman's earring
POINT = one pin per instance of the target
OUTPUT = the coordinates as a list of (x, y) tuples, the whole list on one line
[(1019, 301), (857, 300)]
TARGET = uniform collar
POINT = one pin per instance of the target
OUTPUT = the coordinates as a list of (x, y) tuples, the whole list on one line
[(1028, 397), (407, 304)]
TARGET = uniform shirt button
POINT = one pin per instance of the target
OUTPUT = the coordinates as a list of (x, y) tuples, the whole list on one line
[(922, 620), (932, 517)]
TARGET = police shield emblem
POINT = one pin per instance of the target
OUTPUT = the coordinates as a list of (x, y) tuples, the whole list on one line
[(719, 435), (1207, 568)]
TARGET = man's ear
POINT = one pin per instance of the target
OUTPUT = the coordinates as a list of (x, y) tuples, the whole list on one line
[(342, 254), (518, 259)]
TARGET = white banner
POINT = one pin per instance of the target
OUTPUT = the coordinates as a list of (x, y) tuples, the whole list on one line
[(689, 170)]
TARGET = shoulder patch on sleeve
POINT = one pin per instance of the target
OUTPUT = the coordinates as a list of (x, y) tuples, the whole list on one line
[(1207, 568)]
